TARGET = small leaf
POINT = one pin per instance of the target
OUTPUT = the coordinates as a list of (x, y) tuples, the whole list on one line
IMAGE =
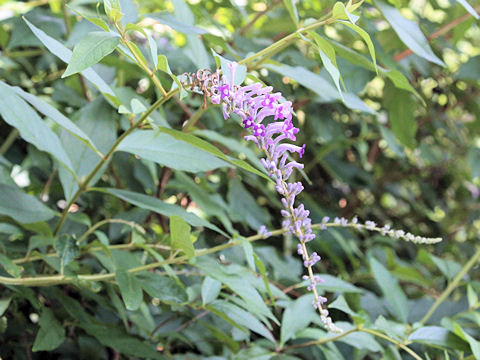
[(292, 10), (113, 9), (340, 12), (366, 38), (327, 54), (90, 50), (210, 289), (51, 334), (180, 234), (471, 296), (67, 250), (10, 267), (4, 303), (130, 289), (240, 72)]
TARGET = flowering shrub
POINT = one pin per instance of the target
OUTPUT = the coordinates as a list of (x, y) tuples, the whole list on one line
[(97, 199)]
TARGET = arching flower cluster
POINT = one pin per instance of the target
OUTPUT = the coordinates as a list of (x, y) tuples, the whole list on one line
[(268, 117)]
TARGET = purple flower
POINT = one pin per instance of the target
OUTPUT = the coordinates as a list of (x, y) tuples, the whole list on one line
[(257, 106)]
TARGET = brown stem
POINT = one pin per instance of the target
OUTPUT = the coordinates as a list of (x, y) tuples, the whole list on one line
[(252, 22)]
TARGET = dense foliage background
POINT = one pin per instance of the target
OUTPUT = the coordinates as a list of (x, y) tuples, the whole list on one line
[(150, 250)]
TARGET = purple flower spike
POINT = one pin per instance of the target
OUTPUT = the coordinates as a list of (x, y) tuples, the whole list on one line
[(253, 104)]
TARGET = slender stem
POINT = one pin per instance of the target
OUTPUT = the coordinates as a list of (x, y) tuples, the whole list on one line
[(8, 141), (393, 341), (86, 182), (103, 222), (272, 49), (321, 341), (23, 53), (443, 296)]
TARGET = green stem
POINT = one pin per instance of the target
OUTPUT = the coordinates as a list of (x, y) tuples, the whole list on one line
[(321, 341), (466, 268), (8, 141), (393, 341), (103, 222), (23, 53), (275, 47), (86, 182)]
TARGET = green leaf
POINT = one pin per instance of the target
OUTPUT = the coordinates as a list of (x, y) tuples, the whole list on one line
[(17, 113), (65, 54), (471, 296), (296, 317), (51, 334), (67, 250), (130, 289), (401, 115), (248, 252), (4, 303), (240, 72), (366, 38), (438, 336), (292, 10), (170, 20), (180, 235), (167, 150), (22, 207), (206, 146), (327, 54), (243, 318), (162, 64), (90, 50), (161, 287), (10, 267), (94, 20), (160, 207), (97, 120), (210, 289), (391, 289), (340, 12), (409, 32), (151, 42), (49, 111)]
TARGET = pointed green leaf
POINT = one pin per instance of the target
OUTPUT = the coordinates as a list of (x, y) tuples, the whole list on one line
[(51, 334), (90, 50), (180, 235), (130, 289)]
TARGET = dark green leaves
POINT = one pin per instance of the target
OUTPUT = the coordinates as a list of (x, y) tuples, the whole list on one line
[(180, 235), (438, 336), (130, 289), (67, 250), (22, 207), (90, 50), (51, 334)]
